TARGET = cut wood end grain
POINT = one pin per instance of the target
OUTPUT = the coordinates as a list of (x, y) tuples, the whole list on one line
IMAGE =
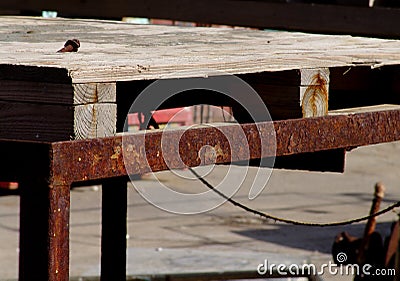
[(314, 92), (94, 93), (95, 120)]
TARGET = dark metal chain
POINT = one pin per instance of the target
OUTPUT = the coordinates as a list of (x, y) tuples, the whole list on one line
[(289, 221)]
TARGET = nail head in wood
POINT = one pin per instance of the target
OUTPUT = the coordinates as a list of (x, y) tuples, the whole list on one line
[(71, 45)]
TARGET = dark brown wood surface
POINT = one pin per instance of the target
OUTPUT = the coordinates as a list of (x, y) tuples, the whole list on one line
[(340, 16)]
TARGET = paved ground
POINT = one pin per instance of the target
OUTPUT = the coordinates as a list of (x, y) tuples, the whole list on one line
[(226, 238)]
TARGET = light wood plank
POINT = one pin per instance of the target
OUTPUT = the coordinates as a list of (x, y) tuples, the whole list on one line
[(115, 51), (36, 92)]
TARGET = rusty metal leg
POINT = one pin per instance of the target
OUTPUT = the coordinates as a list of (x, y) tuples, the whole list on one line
[(59, 212), (44, 231), (113, 236)]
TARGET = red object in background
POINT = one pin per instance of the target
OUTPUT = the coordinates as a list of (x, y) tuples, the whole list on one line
[(182, 116), (9, 185)]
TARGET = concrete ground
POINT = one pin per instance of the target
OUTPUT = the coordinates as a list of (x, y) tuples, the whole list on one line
[(226, 238)]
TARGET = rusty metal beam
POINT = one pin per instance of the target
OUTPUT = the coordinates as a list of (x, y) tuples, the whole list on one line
[(76, 161)]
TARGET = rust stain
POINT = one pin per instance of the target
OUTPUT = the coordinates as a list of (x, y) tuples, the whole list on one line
[(96, 159), (117, 152), (133, 154), (94, 120), (96, 94), (218, 151), (207, 155)]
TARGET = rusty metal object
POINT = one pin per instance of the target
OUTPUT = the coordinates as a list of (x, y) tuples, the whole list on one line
[(44, 212), (104, 157), (397, 259), (368, 249), (376, 203), (71, 45), (392, 246), (58, 232), (371, 223)]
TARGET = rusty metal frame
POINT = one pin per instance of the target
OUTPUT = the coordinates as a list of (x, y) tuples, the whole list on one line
[(75, 161), (53, 167)]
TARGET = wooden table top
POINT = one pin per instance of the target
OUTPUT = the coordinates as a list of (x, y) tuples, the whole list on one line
[(115, 51)]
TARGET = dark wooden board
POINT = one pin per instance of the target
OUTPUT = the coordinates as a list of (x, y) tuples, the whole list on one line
[(34, 73), (36, 92), (354, 17), (24, 121)]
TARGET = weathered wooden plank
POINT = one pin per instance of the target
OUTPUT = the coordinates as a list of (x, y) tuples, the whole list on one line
[(362, 86), (20, 72), (94, 115), (154, 52), (279, 91), (274, 63), (389, 86), (36, 92), (39, 122), (297, 94)]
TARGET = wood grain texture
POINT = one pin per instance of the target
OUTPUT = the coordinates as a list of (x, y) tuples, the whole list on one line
[(95, 110), (95, 120), (115, 51), (39, 122), (314, 92), (20, 72), (94, 93), (36, 92)]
